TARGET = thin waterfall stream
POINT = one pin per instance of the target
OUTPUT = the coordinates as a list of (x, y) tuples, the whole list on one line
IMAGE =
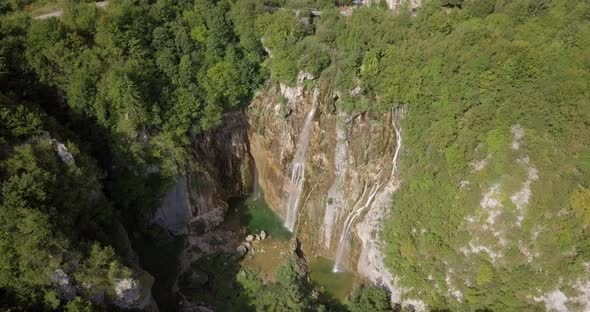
[(356, 212), (298, 166)]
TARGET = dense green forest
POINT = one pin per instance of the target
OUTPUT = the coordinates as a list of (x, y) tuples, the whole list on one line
[(119, 90), (89, 104), (97, 109), (472, 76)]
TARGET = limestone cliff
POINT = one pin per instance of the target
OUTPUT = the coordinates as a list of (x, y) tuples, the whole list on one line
[(220, 168), (347, 172), (346, 180)]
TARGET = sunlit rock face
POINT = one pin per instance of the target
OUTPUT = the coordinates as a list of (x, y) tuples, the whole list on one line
[(347, 173), (64, 284), (131, 294)]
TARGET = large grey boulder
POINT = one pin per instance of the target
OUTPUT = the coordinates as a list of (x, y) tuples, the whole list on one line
[(64, 284), (242, 250)]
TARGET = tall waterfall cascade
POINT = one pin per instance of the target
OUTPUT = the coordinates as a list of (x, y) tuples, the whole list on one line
[(357, 211), (370, 191), (298, 166), (337, 189), (348, 194)]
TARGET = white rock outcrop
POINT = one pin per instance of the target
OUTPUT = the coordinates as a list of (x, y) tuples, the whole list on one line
[(63, 153), (131, 295), (64, 284)]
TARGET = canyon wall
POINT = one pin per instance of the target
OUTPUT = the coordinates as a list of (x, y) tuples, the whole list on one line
[(333, 171), (348, 180), (221, 168)]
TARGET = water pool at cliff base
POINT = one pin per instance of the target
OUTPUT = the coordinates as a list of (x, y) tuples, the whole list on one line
[(252, 215), (336, 285)]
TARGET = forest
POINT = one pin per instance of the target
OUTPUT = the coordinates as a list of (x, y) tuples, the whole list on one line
[(98, 107), (470, 74), (91, 104)]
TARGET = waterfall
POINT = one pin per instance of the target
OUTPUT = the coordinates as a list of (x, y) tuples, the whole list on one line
[(256, 187), (298, 166), (358, 211), (398, 141), (345, 234), (336, 192)]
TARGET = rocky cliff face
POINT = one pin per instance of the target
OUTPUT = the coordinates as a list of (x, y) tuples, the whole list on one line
[(221, 168), (348, 177)]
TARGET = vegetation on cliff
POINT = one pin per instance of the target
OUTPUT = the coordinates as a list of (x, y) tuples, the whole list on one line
[(492, 209), (96, 112), (97, 109), (57, 225)]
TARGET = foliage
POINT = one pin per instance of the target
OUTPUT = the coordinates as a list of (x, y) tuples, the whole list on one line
[(580, 202), (468, 72), (369, 298), (80, 305), (124, 88), (291, 292), (51, 209), (151, 76)]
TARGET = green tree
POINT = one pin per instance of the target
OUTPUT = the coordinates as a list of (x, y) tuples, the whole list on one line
[(368, 298), (80, 305)]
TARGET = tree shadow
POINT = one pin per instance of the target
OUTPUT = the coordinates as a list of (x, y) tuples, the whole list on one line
[(159, 254), (331, 303), (213, 281)]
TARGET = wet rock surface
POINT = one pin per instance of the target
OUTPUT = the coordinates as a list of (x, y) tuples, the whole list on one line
[(347, 168)]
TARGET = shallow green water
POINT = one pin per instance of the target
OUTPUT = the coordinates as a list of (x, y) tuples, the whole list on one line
[(256, 216), (335, 285)]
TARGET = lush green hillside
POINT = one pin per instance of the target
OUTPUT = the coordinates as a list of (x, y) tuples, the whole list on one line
[(122, 88), (494, 205), (493, 208), (53, 213)]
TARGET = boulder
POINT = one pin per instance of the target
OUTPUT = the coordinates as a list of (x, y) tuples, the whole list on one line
[(242, 250), (249, 238), (64, 284), (263, 235), (257, 237), (63, 153), (131, 294)]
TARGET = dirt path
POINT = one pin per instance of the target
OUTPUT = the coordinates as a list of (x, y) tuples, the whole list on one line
[(60, 13)]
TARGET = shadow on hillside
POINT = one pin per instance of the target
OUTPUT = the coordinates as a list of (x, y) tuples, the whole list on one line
[(213, 281)]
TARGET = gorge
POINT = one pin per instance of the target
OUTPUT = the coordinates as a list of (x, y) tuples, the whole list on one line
[(295, 155), (326, 170)]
